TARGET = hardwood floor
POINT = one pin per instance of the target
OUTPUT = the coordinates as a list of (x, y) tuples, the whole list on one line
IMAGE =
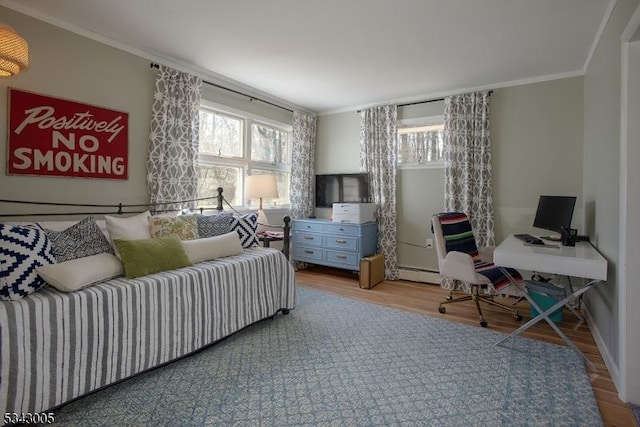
[(424, 299)]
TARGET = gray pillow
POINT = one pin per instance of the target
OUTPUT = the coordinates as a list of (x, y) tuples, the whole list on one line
[(80, 240), (214, 225)]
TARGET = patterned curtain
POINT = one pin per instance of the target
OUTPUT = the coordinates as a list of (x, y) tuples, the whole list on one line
[(378, 156), (467, 159), (173, 151), (302, 165)]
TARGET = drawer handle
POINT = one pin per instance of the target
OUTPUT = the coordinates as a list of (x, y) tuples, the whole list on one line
[(341, 256), (306, 251), (340, 241), (309, 237)]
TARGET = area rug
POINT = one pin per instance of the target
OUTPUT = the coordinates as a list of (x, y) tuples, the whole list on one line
[(336, 361), (635, 410)]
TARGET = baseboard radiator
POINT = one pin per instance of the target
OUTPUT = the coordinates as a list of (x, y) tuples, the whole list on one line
[(417, 274), (423, 275)]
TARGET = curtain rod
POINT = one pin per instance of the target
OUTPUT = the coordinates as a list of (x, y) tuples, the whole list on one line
[(427, 101), (421, 102), (251, 97)]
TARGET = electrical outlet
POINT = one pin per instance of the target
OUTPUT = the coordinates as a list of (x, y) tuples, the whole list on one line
[(429, 243)]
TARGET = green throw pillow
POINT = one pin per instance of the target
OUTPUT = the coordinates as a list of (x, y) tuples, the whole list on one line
[(146, 256)]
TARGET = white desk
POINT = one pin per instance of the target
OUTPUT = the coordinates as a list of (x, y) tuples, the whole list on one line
[(581, 260)]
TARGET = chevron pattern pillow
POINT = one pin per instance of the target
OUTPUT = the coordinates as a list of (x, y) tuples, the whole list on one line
[(246, 226), (22, 249), (78, 241)]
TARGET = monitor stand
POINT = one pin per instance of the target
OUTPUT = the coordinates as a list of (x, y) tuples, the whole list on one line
[(553, 238)]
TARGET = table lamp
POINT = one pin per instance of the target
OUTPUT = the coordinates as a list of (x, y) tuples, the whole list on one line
[(257, 187)]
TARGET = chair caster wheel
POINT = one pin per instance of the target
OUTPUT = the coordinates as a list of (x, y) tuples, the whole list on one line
[(442, 310), (449, 298), (518, 317), (483, 323)]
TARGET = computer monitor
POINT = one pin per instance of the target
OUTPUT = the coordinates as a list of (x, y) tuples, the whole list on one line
[(554, 212)]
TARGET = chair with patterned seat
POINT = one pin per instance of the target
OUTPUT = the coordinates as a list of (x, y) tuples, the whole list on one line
[(462, 265)]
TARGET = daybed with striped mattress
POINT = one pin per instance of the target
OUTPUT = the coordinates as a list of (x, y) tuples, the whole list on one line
[(57, 346)]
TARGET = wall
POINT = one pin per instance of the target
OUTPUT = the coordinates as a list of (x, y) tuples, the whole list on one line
[(630, 316), (242, 103), (601, 185), (536, 136), (65, 65)]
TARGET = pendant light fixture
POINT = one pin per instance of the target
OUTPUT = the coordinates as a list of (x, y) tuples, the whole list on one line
[(14, 52)]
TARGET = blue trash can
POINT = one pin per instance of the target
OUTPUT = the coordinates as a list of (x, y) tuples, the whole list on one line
[(545, 295)]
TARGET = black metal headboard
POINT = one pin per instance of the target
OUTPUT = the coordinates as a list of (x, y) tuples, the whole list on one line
[(112, 209), (120, 208)]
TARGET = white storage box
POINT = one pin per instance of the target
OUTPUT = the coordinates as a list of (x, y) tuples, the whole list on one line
[(354, 213)]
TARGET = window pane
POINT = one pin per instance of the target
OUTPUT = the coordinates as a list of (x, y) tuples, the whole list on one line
[(211, 176), (220, 135), (282, 181), (269, 144), (421, 144)]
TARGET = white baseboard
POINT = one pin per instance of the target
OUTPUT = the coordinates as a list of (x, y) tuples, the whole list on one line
[(415, 274), (608, 359)]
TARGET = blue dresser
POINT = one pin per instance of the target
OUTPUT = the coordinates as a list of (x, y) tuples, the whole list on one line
[(320, 241)]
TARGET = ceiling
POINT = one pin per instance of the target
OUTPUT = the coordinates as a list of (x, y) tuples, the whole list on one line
[(339, 55)]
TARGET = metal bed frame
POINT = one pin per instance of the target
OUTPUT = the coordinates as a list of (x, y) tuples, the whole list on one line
[(123, 209)]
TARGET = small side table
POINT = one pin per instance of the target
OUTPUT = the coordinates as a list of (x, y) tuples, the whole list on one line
[(270, 236)]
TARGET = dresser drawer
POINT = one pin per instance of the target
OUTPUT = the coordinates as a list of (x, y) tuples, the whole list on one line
[(324, 242), (304, 238), (335, 228), (308, 226), (347, 258), (343, 243), (308, 253)]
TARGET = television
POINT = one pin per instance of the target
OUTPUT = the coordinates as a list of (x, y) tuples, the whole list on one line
[(554, 212), (341, 188)]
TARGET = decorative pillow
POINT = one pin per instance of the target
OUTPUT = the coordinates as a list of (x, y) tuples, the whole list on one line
[(22, 250), (128, 228), (69, 276), (81, 240), (246, 226), (146, 256), (185, 227), (209, 248), (214, 225)]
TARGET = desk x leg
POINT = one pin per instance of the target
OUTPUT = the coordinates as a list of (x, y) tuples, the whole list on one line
[(544, 314)]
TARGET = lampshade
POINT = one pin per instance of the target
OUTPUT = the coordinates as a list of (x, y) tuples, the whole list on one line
[(257, 187), (261, 186), (14, 52)]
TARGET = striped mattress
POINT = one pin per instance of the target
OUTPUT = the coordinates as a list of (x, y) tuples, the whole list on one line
[(58, 346)]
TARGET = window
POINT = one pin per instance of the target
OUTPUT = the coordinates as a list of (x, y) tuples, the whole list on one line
[(234, 144), (421, 142)]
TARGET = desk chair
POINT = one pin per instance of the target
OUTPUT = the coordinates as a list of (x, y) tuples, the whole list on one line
[(461, 265)]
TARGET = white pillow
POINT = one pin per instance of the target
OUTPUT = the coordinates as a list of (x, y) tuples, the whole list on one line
[(69, 276), (209, 248), (128, 228)]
